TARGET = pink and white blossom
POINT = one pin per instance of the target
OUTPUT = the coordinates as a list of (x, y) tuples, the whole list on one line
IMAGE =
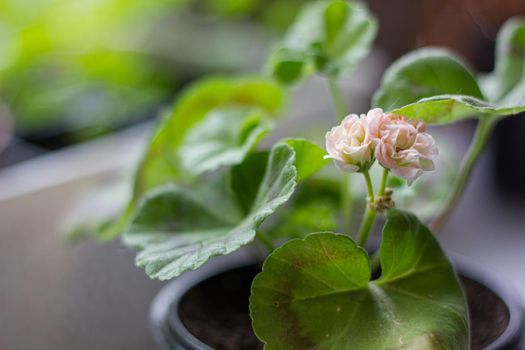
[(403, 146), (350, 144)]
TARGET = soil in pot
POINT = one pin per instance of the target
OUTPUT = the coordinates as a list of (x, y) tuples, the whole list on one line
[(216, 311)]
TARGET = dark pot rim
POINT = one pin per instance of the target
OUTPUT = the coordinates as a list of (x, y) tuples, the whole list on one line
[(169, 332), (512, 337)]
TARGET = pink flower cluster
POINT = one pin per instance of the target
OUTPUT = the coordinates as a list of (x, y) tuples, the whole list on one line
[(401, 145)]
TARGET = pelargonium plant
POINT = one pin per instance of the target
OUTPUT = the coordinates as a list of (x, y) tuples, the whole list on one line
[(205, 187)]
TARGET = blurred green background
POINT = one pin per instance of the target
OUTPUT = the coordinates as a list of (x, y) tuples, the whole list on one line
[(73, 70)]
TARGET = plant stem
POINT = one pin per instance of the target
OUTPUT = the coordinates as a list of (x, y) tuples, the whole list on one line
[(369, 186), (370, 214), (265, 240), (366, 225), (346, 202), (476, 148), (384, 179), (337, 96)]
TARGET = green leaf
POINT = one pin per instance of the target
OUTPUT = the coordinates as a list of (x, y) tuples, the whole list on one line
[(425, 73), (510, 60), (450, 108), (161, 162), (316, 293), (224, 137), (428, 194), (309, 158), (329, 37), (178, 228), (314, 207)]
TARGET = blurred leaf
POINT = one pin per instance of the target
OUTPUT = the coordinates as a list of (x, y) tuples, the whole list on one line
[(309, 158), (94, 211), (178, 229), (231, 7), (313, 208), (316, 293), (510, 59), (224, 137), (161, 162), (71, 64), (450, 108), (424, 73), (427, 195), (278, 15), (329, 37)]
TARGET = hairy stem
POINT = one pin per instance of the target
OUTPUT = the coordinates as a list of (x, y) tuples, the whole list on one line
[(469, 161)]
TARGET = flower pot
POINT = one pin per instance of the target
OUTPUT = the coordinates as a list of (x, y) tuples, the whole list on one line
[(208, 309)]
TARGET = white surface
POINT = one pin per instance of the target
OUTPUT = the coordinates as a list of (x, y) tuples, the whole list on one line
[(92, 159)]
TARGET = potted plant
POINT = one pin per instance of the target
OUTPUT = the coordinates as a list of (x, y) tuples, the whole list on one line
[(205, 189)]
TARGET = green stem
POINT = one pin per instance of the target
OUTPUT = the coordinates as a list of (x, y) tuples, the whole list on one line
[(366, 225), (369, 186), (337, 96), (346, 202), (265, 240), (370, 214), (476, 148), (384, 179)]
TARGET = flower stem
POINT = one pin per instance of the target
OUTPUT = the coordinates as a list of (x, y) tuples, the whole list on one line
[(337, 96), (366, 225), (265, 240), (369, 186), (384, 179), (476, 148), (370, 214), (346, 202)]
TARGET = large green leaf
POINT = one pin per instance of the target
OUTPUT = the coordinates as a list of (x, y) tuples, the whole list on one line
[(425, 73), (450, 108), (510, 60), (178, 229), (161, 162), (316, 293), (329, 37), (224, 137), (164, 162)]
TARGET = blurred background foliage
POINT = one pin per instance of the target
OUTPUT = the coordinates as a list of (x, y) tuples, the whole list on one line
[(83, 68)]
